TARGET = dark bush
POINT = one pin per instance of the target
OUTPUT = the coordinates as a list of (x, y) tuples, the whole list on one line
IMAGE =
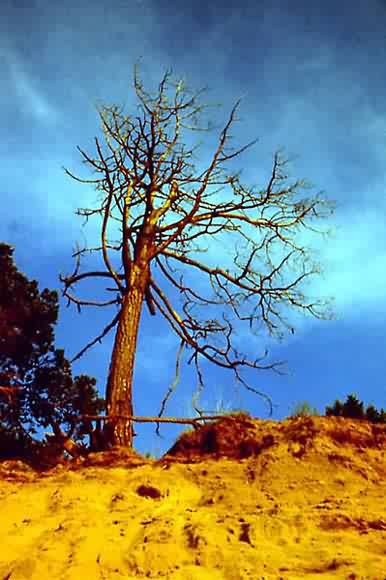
[(353, 409), (36, 384)]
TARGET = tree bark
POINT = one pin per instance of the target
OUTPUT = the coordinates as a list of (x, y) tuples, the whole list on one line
[(119, 396)]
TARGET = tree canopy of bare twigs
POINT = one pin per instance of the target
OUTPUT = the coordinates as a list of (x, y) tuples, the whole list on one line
[(165, 210)]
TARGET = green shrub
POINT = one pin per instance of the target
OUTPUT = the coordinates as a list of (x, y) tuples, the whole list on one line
[(149, 455), (235, 412), (303, 409)]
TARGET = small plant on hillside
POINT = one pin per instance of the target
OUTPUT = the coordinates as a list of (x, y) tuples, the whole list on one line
[(239, 413), (303, 409), (149, 455), (234, 412), (222, 409)]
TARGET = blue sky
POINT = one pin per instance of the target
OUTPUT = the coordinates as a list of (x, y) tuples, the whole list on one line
[(311, 77)]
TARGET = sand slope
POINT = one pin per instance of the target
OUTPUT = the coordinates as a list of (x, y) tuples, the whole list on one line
[(301, 498)]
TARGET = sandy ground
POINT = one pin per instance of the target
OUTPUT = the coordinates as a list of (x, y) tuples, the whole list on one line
[(251, 499)]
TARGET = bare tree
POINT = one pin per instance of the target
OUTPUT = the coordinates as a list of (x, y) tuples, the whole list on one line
[(151, 189)]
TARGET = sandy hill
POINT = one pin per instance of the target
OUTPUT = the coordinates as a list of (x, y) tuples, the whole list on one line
[(239, 499)]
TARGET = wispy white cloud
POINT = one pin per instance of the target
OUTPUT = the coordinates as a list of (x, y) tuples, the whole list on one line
[(31, 99), (355, 263)]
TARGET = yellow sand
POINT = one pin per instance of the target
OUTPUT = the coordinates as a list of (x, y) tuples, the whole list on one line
[(305, 507)]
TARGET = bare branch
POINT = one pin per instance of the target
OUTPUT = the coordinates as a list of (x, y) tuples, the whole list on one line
[(97, 339), (189, 421), (173, 385)]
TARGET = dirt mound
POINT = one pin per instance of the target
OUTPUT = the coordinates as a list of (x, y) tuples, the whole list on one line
[(235, 437), (333, 439), (240, 436)]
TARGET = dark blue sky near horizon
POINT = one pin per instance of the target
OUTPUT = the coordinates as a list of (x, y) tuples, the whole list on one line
[(312, 81)]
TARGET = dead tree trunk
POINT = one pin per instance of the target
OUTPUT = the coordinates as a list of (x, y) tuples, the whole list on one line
[(119, 397)]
